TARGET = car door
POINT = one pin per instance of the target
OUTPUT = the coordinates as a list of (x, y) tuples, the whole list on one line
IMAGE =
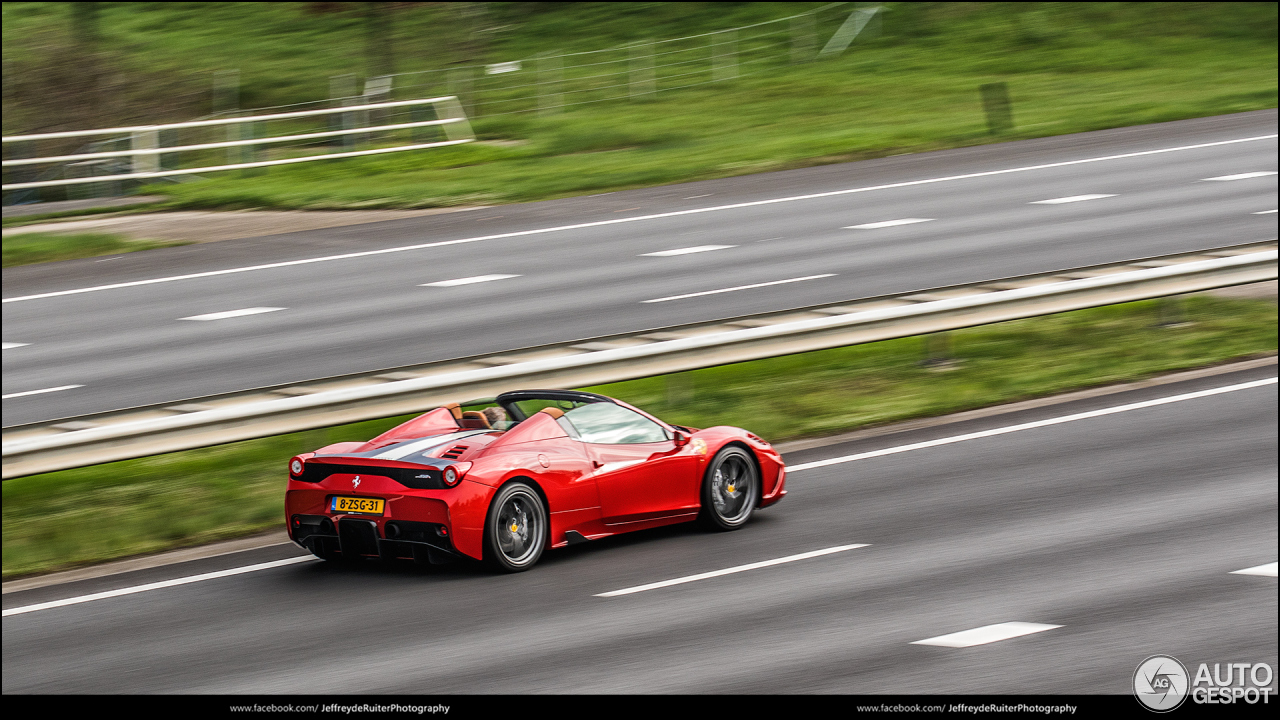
[(640, 472)]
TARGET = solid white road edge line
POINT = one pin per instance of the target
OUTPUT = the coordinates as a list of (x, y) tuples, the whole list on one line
[(39, 392), (740, 287), (467, 280), (887, 223), (986, 634), (1071, 199), (1268, 570), (637, 218), (1241, 176), (1031, 425), (732, 570), (156, 585), (231, 314), (687, 251)]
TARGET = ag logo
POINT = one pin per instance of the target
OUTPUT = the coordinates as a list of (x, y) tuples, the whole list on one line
[(356, 483), (1160, 683)]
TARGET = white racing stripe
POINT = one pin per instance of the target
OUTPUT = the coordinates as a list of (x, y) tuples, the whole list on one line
[(887, 223), (637, 218), (687, 251), (1241, 176), (1030, 425), (730, 571), (740, 287), (986, 634), (156, 585), (1072, 199), (231, 314), (40, 392), (1268, 570), (468, 280)]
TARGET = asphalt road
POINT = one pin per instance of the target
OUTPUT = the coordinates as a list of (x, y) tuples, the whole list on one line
[(128, 346), (1123, 530)]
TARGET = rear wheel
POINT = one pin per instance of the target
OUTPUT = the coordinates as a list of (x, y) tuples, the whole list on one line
[(516, 528), (730, 490)]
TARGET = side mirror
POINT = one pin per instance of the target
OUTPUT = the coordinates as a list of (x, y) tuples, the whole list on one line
[(681, 437)]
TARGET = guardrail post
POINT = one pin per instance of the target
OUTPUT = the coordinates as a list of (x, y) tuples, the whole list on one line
[(724, 55), (937, 352), (640, 72), (550, 80)]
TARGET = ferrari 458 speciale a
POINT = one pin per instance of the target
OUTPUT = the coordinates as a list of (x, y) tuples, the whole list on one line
[(504, 479)]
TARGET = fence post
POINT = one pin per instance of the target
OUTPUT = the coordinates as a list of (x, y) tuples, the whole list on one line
[(144, 162), (802, 38), (550, 79), (724, 55), (452, 108), (641, 76), (342, 88), (460, 86), (226, 99)]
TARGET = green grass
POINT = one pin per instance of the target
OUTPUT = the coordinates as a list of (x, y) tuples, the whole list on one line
[(1070, 67), (39, 247), (87, 515)]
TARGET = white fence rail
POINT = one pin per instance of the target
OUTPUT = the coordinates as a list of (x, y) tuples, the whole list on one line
[(145, 146), (155, 435)]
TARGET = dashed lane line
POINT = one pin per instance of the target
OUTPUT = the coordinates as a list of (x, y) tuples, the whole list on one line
[(637, 218), (986, 634)]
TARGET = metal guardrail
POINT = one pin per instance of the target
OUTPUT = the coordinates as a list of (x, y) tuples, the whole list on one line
[(145, 147), (137, 432)]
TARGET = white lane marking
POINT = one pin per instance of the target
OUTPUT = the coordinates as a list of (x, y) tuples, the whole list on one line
[(1268, 570), (740, 287), (10, 346), (887, 223), (1071, 199), (156, 585), (1031, 425), (986, 634), (231, 314), (687, 251), (39, 392), (1266, 212), (467, 280), (637, 218), (695, 197), (732, 570), (1241, 176)]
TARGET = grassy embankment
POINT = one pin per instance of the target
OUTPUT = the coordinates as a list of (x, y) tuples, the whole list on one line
[(87, 515), (1070, 68), (40, 247)]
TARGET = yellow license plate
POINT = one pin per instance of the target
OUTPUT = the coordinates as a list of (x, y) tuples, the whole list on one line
[(357, 505)]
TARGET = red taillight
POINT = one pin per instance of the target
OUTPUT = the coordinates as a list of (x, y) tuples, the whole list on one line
[(453, 474)]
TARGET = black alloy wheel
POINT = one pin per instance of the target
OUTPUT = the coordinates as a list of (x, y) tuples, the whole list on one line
[(515, 532), (730, 490)]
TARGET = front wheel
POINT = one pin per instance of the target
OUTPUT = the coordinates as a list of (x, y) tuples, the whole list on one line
[(516, 529), (730, 490)]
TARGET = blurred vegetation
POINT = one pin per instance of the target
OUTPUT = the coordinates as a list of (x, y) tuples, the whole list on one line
[(1070, 67), (77, 517), (38, 247)]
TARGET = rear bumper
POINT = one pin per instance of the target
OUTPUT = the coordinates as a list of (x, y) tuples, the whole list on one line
[(353, 537)]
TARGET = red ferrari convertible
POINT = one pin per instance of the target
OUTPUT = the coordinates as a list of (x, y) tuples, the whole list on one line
[(503, 480)]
